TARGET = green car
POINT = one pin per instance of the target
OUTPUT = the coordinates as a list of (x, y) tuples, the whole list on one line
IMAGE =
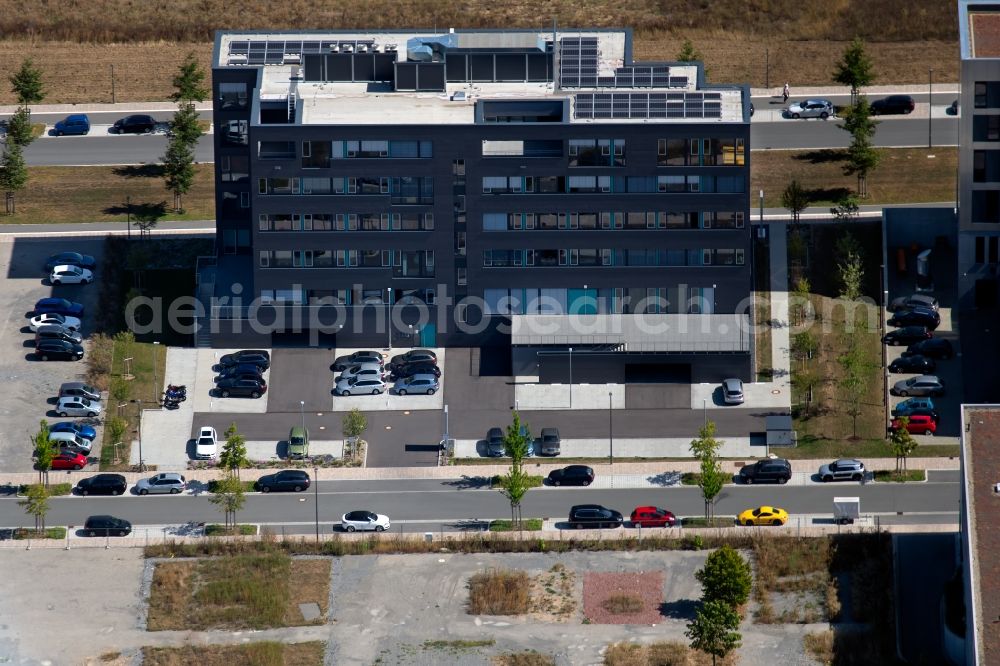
[(298, 442)]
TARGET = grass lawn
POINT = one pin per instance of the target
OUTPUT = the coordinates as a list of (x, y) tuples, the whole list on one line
[(215, 529), (717, 521), (906, 475), (530, 524), (692, 479), (141, 366), (530, 480), (55, 489), (267, 653), (248, 486), (237, 592), (47, 533), (820, 449)]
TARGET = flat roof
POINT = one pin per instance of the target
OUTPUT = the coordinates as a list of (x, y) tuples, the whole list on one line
[(979, 29), (637, 332)]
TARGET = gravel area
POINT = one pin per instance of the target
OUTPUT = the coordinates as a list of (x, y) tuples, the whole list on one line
[(598, 588)]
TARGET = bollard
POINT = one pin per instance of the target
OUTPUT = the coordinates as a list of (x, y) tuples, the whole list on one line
[(428, 537)]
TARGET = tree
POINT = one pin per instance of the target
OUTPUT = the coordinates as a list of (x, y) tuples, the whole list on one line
[(795, 199), (36, 504), (846, 208), (902, 443), (858, 119), (711, 479), (178, 170), (19, 128), (714, 629), (42, 451), (855, 68), (862, 159), (26, 84), (514, 486), (190, 81), (234, 452), (121, 390), (517, 440), (13, 174), (805, 379), (851, 272), (688, 52), (800, 303), (854, 382), (185, 125), (726, 577), (229, 498), (804, 345), (354, 423), (116, 427)]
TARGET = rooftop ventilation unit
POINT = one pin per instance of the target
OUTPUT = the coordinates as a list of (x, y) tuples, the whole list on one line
[(459, 96), (292, 58), (362, 48), (346, 48), (389, 48), (238, 59)]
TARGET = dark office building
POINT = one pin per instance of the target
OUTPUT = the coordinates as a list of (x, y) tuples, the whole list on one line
[(519, 191)]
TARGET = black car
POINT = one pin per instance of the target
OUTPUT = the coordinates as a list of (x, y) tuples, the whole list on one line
[(256, 357), (773, 470), (57, 332), (102, 484), (287, 479), (58, 349), (411, 369), (106, 526), (134, 125), (71, 259), (907, 335), (253, 388), (916, 317), (574, 475), (893, 104), (932, 348), (413, 356), (494, 442), (241, 371), (913, 363), (594, 515), (344, 362)]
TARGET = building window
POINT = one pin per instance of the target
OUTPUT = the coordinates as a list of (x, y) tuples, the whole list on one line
[(672, 152), (986, 128), (276, 150), (233, 95), (315, 154), (987, 95), (986, 206), (980, 249)]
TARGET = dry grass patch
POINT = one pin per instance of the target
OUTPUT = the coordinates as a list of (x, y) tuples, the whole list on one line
[(667, 653), (553, 595), (622, 604), (267, 653), (524, 659), (793, 581), (820, 645), (499, 592)]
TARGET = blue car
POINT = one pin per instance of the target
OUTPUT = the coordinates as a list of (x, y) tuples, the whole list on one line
[(911, 405), (58, 306), (78, 123), (70, 259), (79, 429)]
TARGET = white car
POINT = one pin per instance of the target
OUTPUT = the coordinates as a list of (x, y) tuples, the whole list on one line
[(49, 318), (207, 446), (364, 521), (365, 370), (66, 274), (73, 405)]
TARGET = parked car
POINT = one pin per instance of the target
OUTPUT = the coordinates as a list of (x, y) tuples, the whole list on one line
[(106, 526), (81, 430), (915, 363), (365, 356), (913, 301), (253, 388), (938, 348), (763, 515), (257, 357), (411, 369), (298, 442), (57, 332), (574, 475), (811, 108), (58, 306), (773, 470), (916, 317), (413, 356), (353, 521), (65, 274), (910, 405), (58, 349), (494, 442), (907, 335), (365, 370), (71, 258), (732, 391), (549, 443), (652, 516), (917, 424), (69, 461), (842, 470), (162, 483), (360, 386), (77, 406), (893, 104), (242, 371), (102, 484), (287, 479), (594, 516), (928, 385), (423, 384), (77, 123), (70, 442), (137, 124), (49, 318), (206, 447), (79, 388)]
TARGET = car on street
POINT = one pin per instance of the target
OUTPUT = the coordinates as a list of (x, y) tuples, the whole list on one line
[(81, 430), (80, 389), (58, 306), (421, 384), (71, 443), (916, 317), (907, 335), (811, 108), (206, 447), (763, 515), (893, 104), (732, 391), (295, 480), (652, 516), (913, 301), (102, 484), (241, 371), (77, 406), (413, 356), (57, 332), (573, 475), (52, 350), (594, 516), (135, 124), (770, 470), (51, 318), (257, 357), (364, 370), (842, 470), (916, 424), (71, 258), (916, 363), (364, 356), (494, 442), (298, 442), (938, 348), (921, 385), (69, 461), (364, 521), (70, 275), (161, 484), (75, 124), (549, 442), (253, 388), (371, 386), (910, 405), (96, 526), (411, 369)]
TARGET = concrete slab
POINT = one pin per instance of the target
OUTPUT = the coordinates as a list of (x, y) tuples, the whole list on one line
[(633, 447), (563, 396), (164, 432), (390, 401), (760, 395), (271, 450), (203, 398)]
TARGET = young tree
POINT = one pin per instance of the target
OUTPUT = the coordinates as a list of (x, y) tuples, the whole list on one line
[(846, 208), (855, 68), (178, 169), (354, 423), (514, 486), (42, 451), (862, 159), (26, 84), (185, 125), (804, 345), (517, 440), (711, 479), (36, 504), (688, 52), (800, 303), (854, 382), (13, 174), (726, 577), (121, 390), (805, 379), (902, 443), (795, 199), (116, 427), (234, 452), (714, 629), (19, 128), (229, 498), (851, 271), (858, 120), (190, 81)]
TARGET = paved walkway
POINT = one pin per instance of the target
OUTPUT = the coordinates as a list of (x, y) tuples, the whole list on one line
[(633, 447), (164, 432)]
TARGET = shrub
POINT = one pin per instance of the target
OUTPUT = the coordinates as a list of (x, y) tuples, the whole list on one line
[(99, 360), (499, 592), (625, 654), (622, 604), (694, 542)]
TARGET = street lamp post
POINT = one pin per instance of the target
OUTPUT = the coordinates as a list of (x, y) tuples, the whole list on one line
[(156, 389), (302, 413), (411, 335), (571, 378), (704, 409), (611, 431), (316, 497), (388, 313), (761, 197), (142, 463), (930, 105)]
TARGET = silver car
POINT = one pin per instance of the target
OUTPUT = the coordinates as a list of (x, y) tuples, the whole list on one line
[(811, 108), (842, 470), (360, 386), (163, 483), (920, 385), (364, 521), (71, 443), (426, 384), (365, 370), (732, 391), (79, 389), (77, 406)]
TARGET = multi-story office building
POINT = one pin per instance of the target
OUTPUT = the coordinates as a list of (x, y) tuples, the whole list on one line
[(503, 189)]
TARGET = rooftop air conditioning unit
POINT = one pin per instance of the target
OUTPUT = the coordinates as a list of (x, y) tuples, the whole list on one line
[(458, 96), (237, 59), (390, 48), (291, 58), (346, 48), (362, 48)]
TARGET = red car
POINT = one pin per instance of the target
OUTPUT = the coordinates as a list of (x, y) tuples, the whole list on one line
[(651, 516), (919, 424), (69, 461)]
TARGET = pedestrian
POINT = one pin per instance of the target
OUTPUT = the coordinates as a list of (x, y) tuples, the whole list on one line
[(784, 93)]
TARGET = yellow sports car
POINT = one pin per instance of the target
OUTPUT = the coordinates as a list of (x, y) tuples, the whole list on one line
[(763, 515)]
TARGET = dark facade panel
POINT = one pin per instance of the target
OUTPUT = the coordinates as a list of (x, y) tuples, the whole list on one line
[(455, 64), (364, 67), (539, 66), (339, 67), (511, 67), (406, 76), (430, 76), (384, 66), (481, 67), (313, 67)]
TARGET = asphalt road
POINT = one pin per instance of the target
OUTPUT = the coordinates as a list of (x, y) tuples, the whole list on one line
[(815, 133), (108, 149)]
